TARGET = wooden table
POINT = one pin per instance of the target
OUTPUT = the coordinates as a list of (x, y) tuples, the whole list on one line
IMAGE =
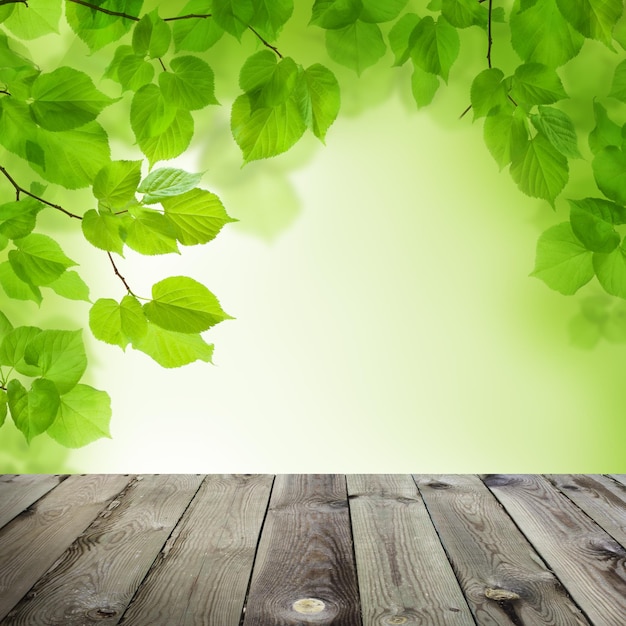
[(285, 550)]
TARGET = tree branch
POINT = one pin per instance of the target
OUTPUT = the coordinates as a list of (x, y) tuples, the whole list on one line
[(5, 92), (19, 190), (117, 273), (465, 112), (162, 64), (265, 43), (187, 17), (107, 11), (489, 34)]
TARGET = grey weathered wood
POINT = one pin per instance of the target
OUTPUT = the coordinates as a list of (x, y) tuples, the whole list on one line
[(504, 580), (601, 498), (620, 478), (34, 540), (590, 564), (201, 577), (19, 491), (96, 578), (403, 572), (304, 571)]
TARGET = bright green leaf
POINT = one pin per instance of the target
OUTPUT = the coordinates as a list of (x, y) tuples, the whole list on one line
[(3, 406), (150, 232), (172, 349), (66, 98), (424, 86), (539, 169), (618, 86), (190, 84), (196, 35), (534, 83), (116, 183), (319, 98), (331, 14), (606, 132), (488, 93), (15, 287), (33, 411), (233, 15), (118, 324), (594, 19), (134, 72), (540, 34), (267, 81), (611, 271), (151, 36), (609, 170), (434, 46), (13, 349), (357, 46), (165, 182), (465, 13), (5, 326), (150, 112), (36, 19), (71, 286), (183, 305), (376, 11), (104, 230), (562, 262), (38, 259), (60, 355), (559, 129), (400, 37), (18, 219), (270, 16), (84, 416), (197, 216), (592, 222)]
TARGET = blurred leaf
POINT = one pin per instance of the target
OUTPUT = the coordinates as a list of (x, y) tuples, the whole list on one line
[(13, 349), (36, 20), (609, 170), (400, 37), (151, 36), (270, 16), (335, 13), (376, 11), (5, 326), (618, 86), (71, 286), (116, 183), (559, 129), (594, 19), (3, 406), (606, 132), (611, 271), (357, 46), (424, 86), (465, 13), (165, 182), (33, 411)]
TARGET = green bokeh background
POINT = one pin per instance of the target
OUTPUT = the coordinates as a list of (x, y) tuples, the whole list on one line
[(385, 319)]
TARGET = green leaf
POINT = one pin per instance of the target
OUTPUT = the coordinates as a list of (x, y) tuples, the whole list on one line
[(3, 406), (400, 37), (151, 36), (104, 230), (60, 355), (559, 129), (66, 98), (33, 411), (592, 222), (465, 13), (190, 84), (13, 348), (38, 259), (618, 86), (116, 183), (267, 131), (539, 169), (183, 305), (606, 132), (331, 14), (172, 349), (197, 216), (594, 19), (97, 29), (118, 324), (434, 46), (267, 81), (5, 326), (150, 232), (528, 34), (84, 416), (270, 16), (376, 11), (489, 93), (196, 35), (357, 46), (562, 262), (611, 271), (18, 219), (424, 86), (15, 287), (35, 20), (71, 286), (165, 182), (534, 83), (319, 99), (609, 170), (134, 72), (233, 15)]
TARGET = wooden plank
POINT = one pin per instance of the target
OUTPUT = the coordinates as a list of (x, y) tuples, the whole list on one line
[(590, 563), (620, 478), (305, 571), (93, 582), (201, 577), (403, 571), (34, 540), (504, 580), (601, 498), (19, 491)]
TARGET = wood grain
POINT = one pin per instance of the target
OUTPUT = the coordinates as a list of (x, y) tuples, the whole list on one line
[(201, 577), (305, 571), (590, 563), (18, 492), (99, 574), (620, 478), (33, 541), (504, 580), (601, 498), (403, 572)]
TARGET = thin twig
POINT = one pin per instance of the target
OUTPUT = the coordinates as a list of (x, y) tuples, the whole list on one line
[(5, 92), (107, 11), (511, 99), (265, 43), (187, 17), (489, 33), (162, 64), (117, 273), (19, 190), (465, 112)]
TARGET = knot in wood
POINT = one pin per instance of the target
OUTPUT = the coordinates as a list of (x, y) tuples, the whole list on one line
[(101, 613), (308, 606), (396, 619), (501, 595)]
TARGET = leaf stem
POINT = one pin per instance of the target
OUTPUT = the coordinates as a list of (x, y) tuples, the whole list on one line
[(465, 112), (5, 92), (117, 273), (162, 64), (266, 43), (490, 39), (187, 17), (19, 190), (107, 11)]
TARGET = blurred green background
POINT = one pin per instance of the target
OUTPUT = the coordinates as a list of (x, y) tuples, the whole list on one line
[(385, 320)]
